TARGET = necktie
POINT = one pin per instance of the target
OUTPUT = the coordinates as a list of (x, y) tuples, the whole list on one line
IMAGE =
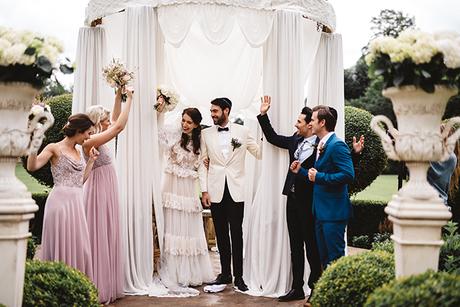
[(220, 129)]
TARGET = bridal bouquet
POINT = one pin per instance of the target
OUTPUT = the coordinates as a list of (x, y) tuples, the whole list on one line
[(117, 76), (416, 58), (167, 99), (29, 57)]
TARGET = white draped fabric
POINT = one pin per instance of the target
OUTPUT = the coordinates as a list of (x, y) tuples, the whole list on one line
[(89, 86), (318, 10), (138, 155), (325, 85), (210, 51), (288, 54)]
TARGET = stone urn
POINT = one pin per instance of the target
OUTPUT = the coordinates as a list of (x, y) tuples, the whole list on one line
[(417, 211), (18, 137)]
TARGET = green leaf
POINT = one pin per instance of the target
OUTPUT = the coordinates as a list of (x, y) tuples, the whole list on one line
[(398, 79), (65, 69), (379, 71), (44, 64), (30, 51), (426, 74)]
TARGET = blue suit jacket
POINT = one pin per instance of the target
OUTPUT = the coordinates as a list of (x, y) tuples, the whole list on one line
[(331, 201)]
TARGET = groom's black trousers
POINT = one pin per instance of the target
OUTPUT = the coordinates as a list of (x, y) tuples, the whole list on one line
[(225, 213)]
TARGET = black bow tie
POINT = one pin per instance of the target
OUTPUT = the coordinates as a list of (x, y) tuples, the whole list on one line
[(219, 129)]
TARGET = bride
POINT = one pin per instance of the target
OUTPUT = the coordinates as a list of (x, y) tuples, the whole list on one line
[(185, 260)]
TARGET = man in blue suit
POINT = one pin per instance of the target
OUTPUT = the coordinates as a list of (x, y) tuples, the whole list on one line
[(332, 173)]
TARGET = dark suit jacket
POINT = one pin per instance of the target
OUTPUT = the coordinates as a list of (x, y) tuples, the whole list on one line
[(331, 201), (302, 186)]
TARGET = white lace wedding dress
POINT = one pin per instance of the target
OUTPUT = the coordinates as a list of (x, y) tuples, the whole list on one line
[(185, 260)]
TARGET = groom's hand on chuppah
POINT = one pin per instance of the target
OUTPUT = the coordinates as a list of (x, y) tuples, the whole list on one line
[(295, 166), (265, 104), (205, 199)]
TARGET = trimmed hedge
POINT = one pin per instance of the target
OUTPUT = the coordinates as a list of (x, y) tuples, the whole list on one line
[(429, 289), (367, 216), (61, 108), (349, 280), (31, 248), (56, 284), (373, 159), (36, 224)]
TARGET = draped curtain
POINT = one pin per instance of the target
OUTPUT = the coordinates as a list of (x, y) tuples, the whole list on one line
[(325, 85), (138, 156), (89, 86), (288, 55)]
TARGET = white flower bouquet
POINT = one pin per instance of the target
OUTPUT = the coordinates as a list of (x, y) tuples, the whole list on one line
[(167, 99), (117, 76), (416, 58), (29, 57), (37, 109)]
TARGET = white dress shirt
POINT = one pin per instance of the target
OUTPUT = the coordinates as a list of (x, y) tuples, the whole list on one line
[(224, 141), (305, 148)]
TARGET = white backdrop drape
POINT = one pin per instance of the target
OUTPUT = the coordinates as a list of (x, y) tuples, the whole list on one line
[(138, 156), (288, 54), (89, 86), (325, 84)]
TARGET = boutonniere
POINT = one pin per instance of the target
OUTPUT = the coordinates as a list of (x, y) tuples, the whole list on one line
[(235, 143), (321, 149)]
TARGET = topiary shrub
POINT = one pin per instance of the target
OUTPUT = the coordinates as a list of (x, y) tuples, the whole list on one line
[(368, 215), (31, 247), (429, 289), (349, 280), (373, 159), (36, 224), (56, 284), (61, 108)]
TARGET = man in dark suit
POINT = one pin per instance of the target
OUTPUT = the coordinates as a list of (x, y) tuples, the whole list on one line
[(299, 191), (332, 173)]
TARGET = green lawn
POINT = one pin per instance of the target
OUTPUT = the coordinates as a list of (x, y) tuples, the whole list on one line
[(383, 187), (32, 184)]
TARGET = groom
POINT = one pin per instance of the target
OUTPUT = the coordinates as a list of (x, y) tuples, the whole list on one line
[(222, 186)]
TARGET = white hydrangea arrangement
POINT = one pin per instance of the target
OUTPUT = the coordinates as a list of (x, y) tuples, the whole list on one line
[(37, 109), (416, 58), (167, 99), (28, 57)]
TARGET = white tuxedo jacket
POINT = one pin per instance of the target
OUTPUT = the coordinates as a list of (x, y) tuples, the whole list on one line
[(232, 168)]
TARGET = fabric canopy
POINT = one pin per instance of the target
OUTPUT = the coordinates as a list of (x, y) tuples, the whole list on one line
[(317, 10), (229, 50)]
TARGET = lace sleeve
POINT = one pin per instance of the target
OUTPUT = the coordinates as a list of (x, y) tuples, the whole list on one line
[(168, 135)]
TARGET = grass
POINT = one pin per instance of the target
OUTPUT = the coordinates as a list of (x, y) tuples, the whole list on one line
[(31, 183), (383, 187)]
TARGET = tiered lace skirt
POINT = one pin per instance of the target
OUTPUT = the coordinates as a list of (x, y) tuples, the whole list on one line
[(185, 260)]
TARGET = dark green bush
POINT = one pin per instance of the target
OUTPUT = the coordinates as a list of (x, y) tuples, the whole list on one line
[(349, 280), (449, 258), (367, 217), (384, 246), (61, 108), (366, 241), (56, 284), (36, 224), (31, 247), (430, 289), (373, 159)]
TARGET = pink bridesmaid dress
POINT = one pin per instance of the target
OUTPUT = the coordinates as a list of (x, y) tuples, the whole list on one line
[(102, 215), (65, 232)]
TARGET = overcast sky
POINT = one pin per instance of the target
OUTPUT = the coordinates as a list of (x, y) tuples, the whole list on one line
[(62, 18)]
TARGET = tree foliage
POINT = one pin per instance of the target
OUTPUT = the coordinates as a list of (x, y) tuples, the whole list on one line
[(356, 80), (391, 23)]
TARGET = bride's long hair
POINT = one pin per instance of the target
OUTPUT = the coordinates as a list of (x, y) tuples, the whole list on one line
[(196, 117)]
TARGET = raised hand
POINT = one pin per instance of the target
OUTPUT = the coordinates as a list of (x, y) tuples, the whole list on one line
[(358, 146), (93, 154), (265, 104), (206, 163), (295, 166), (160, 103)]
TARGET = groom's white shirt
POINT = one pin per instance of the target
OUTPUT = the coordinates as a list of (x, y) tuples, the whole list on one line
[(230, 167)]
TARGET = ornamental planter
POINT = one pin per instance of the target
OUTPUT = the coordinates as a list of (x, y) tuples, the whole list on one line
[(18, 137), (417, 212)]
